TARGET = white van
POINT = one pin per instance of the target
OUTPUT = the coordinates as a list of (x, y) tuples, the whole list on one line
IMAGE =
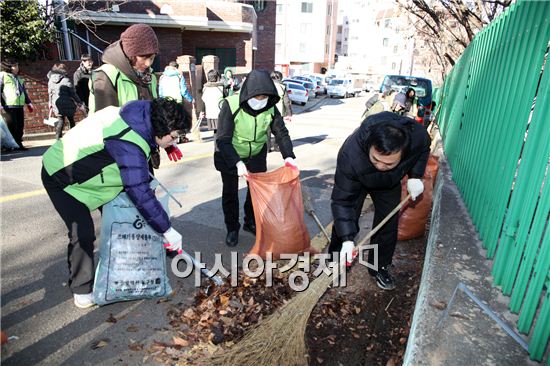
[(342, 88)]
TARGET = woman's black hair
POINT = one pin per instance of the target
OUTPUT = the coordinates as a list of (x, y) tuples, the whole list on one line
[(410, 90), (276, 75), (388, 137), (167, 115), (7, 64)]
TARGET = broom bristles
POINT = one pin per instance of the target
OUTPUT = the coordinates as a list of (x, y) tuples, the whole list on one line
[(279, 338)]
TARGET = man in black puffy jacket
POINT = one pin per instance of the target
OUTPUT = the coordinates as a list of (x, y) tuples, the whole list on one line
[(373, 160)]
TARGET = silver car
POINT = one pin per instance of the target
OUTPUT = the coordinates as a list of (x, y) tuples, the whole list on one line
[(297, 93)]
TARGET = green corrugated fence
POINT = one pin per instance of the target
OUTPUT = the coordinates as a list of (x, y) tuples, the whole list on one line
[(495, 123)]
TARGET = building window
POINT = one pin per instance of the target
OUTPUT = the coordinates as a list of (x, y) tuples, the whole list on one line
[(328, 30), (385, 42), (259, 5), (329, 10), (393, 65), (387, 23), (305, 28), (307, 7), (279, 8), (326, 48), (395, 48), (302, 47)]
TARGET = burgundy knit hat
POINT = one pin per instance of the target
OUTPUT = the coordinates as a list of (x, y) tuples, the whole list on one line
[(138, 40)]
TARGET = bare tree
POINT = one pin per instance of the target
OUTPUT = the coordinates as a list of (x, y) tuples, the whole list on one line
[(77, 10), (448, 26)]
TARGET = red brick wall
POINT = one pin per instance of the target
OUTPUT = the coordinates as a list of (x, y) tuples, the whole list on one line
[(264, 59)]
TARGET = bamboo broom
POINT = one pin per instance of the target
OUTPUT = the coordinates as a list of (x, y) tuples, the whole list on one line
[(279, 338)]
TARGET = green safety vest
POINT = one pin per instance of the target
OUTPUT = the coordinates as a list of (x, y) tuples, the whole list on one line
[(10, 91), (125, 88), (82, 165), (250, 132)]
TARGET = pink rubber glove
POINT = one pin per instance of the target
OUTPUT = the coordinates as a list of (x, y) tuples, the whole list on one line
[(291, 163)]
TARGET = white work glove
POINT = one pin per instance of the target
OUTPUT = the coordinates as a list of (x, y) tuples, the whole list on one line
[(241, 169), (172, 240), (347, 253), (291, 163), (415, 187)]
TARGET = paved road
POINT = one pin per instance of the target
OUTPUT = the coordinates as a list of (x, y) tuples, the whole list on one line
[(37, 306)]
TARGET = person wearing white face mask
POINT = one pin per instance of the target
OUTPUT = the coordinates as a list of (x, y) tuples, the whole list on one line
[(241, 145)]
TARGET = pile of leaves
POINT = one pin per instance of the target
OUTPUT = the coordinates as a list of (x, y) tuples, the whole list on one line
[(219, 316)]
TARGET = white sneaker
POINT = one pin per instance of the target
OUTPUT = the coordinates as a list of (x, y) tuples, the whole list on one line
[(84, 301)]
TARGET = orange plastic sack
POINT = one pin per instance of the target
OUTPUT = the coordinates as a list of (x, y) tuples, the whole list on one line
[(279, 213), (414, 215)]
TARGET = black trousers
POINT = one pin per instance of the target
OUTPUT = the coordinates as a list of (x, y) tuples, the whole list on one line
[(384, 202), (81, 233), (230, 192), (61, 123), (15, 119)]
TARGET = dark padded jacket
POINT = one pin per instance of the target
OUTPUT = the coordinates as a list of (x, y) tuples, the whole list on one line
[(81, 78), (356, 174), (61, 93), (133, 164), (256, 83)]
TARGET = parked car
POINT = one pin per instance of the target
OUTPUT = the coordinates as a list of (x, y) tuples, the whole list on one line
[(342, 88), (368, 86), (323, 81), (308, 85), (319, 88), (297, 93)]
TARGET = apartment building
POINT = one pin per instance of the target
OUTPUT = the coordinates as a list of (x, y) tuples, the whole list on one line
[(305, 36)]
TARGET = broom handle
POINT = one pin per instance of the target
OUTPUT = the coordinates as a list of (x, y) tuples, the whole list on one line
[(386, 219)]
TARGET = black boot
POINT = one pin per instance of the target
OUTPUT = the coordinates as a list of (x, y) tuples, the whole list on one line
[(250, 227), (232, 238)]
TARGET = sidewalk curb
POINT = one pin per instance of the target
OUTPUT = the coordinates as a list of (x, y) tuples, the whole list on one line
[(455, 254)]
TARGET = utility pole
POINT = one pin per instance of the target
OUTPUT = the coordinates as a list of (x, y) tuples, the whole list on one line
[(62, 12), (330, 52)]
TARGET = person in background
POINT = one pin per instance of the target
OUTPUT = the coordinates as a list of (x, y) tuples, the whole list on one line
[(127, 75), (230, 83), (405, 103), (212, 97), (103, 155), (81, 78), (62, 98), (373, 160), (14, 97), (377, 103), (172, 84), (284, 105), (243, 126)]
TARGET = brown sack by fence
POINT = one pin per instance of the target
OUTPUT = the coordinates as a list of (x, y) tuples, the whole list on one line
[(279, 212), (414, 216)]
